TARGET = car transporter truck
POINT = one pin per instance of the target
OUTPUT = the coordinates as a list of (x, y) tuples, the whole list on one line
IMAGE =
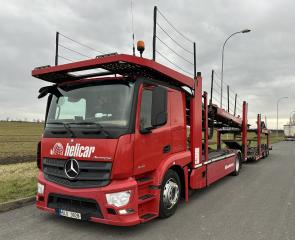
[(116, 148)]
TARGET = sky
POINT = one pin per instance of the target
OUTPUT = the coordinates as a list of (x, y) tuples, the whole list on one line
[(258, 66)]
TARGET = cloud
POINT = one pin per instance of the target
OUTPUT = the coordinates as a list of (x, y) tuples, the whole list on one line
[(259, 66)]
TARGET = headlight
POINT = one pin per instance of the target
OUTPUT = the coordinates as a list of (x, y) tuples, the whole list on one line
[(118, 199), (40, 188)]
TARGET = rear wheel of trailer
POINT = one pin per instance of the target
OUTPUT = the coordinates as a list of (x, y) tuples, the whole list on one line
[(238, 165)]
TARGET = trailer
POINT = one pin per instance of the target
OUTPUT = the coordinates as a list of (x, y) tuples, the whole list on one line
[(253, 152), (115, 147), (225, 123), (261, 150)]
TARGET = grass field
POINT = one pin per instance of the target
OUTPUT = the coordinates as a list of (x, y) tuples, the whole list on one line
[(17, 181), (18, 142)]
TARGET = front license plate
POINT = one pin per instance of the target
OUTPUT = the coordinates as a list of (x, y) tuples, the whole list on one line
[(69, 214)]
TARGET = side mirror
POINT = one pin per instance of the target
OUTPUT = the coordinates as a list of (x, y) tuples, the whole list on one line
[(159, 106), (43, 91), (145, 130)]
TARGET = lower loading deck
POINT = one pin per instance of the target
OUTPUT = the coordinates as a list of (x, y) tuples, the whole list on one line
[(220, 163), (253, 153), (209, 165), (216, 155)]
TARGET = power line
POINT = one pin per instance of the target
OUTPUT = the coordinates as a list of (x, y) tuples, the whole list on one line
[(185, 37), (232, 91), (217, 75), (65, 58), (239, 98), (81, 44), (74, 51), (218, 93), (174, 51), (213, 98), (225, 83), (178, 44), (232, 101), (239, 108), (217, 84), (174, 64)]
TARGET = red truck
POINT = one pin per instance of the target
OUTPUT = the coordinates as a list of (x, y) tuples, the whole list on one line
[(126, 137), (115, 147)]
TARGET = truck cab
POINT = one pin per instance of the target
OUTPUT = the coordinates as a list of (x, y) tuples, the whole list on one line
[(107, 144)]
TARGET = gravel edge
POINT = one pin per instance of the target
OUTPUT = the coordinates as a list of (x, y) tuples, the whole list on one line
[(7, 206)]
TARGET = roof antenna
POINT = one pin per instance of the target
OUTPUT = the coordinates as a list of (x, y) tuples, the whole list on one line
[(131, 1)]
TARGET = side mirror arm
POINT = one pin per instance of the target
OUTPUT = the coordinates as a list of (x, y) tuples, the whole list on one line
[(146, 130)]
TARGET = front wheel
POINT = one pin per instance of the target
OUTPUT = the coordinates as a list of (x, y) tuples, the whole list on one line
[(170, 194), (238, 166)]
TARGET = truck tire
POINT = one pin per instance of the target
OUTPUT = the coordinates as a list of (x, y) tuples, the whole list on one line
[(238, 165), (170, 194)]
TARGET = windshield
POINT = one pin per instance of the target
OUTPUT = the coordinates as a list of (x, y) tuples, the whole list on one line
[(106, 105)]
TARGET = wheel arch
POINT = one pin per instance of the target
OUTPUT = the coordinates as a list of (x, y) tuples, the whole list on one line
[(175, 162), (180, 172)]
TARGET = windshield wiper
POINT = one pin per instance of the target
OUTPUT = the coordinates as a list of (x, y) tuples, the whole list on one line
[(66, 126), (101, 129)]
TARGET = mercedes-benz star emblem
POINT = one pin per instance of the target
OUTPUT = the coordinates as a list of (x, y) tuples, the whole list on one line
[(72, 168)]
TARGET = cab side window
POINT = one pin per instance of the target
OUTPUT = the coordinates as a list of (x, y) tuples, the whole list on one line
[(153, 108), (146, 109)]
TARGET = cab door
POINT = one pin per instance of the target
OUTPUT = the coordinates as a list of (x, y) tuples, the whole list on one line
[(152, 143)]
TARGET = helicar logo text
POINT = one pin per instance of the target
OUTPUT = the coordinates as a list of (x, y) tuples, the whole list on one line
[(76, 150)]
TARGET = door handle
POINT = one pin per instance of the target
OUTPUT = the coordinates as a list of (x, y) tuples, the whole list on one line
[(167, 148)]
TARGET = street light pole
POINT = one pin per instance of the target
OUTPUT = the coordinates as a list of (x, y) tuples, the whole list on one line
[(222, 59), (278, 101)]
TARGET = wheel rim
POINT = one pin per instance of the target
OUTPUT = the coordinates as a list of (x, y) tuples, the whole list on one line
[(170, 193), (237, 164)]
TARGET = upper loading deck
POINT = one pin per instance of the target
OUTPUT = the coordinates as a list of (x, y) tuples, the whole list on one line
[(121, 64), (126, 66)]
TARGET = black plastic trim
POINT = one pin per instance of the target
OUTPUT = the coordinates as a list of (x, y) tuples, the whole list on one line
[(87, 207), (92, 173)]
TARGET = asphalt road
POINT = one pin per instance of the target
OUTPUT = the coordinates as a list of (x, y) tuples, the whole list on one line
[(258, 204)]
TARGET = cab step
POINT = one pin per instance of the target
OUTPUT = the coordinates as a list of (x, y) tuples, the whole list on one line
[(144, 181), (146, 198)]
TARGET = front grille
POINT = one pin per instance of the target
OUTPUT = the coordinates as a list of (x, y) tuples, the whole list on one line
[(87, 207), (92, 174)]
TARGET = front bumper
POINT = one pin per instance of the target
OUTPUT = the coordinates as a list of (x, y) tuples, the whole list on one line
[(98, 194)]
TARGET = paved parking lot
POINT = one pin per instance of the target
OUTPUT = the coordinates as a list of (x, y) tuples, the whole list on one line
[(258, 204)]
